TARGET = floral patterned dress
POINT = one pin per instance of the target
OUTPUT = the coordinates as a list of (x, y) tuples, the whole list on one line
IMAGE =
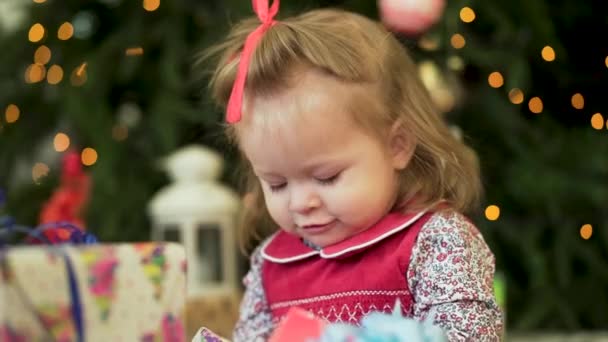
[(450, 276)]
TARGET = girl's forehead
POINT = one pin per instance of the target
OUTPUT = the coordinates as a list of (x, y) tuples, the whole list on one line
[(282, 134), (315, 104), (297, 144), (299, 125), (314, 117)]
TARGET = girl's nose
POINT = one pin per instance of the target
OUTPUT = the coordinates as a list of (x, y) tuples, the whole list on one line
[(303, 200)]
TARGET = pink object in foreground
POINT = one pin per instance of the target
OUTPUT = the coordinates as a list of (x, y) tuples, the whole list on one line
[(298, 325)]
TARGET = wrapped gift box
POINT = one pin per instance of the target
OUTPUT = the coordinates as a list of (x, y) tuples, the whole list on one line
[(120, 292)]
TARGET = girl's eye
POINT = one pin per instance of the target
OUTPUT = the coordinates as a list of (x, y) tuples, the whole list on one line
[(329, 180), (277, 187)]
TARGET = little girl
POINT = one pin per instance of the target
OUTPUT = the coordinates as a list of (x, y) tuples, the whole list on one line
[(364, 183)]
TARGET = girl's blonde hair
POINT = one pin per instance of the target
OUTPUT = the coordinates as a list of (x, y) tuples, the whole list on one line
[(356, 50)]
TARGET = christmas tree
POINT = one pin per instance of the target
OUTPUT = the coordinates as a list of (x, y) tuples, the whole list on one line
[(522, 81)]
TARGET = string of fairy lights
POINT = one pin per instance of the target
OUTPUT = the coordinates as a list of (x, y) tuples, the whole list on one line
[(535, 103), (54, 74), (40, 71)]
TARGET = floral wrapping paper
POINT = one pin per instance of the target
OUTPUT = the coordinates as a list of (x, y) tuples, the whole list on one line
[(128, 292)]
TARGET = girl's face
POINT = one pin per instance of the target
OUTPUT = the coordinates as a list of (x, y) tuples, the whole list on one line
[(323, 177)]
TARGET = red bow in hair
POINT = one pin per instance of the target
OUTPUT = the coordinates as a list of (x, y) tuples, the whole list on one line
[(266, 15)]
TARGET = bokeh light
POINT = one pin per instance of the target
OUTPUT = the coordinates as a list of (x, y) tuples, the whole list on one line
[(548, 53), (42, 55), (457, 41), (578, 101), (79, 75), (65, 31), (428, 43), (88, 156), (496, 80), (597, 121), (151, 5), (516, 96), (54, 75), (492, 212), (61, 142), (134, 51), (467, 14), (36, 33), (455, 63), (586, 231), (39, 171), (535, 105), (12, 112), (35, 73)]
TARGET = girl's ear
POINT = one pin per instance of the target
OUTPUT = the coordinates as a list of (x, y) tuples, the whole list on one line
[(402, 145)]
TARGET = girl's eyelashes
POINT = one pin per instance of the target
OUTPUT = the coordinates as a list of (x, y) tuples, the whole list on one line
[(324, 181), (329, 180), (277, 187)]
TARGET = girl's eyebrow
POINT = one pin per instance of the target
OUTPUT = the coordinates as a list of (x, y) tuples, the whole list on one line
[(326, 164), (269, 174)]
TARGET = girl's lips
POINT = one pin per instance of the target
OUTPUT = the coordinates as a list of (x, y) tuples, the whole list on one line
[(314, 229)]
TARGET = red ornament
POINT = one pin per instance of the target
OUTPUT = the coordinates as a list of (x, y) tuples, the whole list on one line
[(68, 202), (410, 17)]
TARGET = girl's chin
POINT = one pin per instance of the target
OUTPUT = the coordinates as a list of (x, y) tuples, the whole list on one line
[(324, 241)]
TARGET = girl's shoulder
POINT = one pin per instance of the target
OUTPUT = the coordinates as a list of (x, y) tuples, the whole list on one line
[(450, 226)]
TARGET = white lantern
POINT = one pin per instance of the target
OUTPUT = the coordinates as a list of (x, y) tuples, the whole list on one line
[(200, 213)]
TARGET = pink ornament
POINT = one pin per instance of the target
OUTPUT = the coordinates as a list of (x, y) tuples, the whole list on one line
[(410, 17)]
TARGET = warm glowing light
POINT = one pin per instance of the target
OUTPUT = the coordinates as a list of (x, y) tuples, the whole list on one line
[(597, 121), (39, 171), (548, 53), (428, 43), (79, 75), (88, 156), (516, 96), (578, 101), (455, 63), (35, 73), (606, 61), (492, 212), (467, 14), (54, 75), (36, 33), (65, 31), (39, 1), (42, 55), (535, 105), (61, 142), (151, 5), (457, 41), (12, 113), (586, 231), (134, 51), (81, 69), (120, 132), (496, 80)]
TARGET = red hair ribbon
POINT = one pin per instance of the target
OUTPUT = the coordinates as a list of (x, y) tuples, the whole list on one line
[(266, 15)]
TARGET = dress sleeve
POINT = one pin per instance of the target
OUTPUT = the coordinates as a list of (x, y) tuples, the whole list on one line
[(255, 319), (451, 276)]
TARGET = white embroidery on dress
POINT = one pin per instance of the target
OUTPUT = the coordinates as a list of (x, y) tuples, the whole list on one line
[(393, 293)]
